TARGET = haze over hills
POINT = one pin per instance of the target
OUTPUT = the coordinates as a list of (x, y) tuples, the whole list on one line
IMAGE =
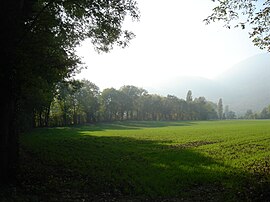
[(244, 86), (248, 84), (179, 86)]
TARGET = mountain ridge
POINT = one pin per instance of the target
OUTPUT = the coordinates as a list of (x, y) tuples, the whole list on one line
[(244, 86)]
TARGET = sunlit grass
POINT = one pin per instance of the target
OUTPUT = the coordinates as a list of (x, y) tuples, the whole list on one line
[(213, 159)]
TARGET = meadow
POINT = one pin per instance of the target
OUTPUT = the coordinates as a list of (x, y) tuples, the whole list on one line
[(147, 161)]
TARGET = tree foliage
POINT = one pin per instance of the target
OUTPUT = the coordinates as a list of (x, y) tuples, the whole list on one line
[(189, 96), (38, 50), (220, 109), (253, 13), (79, 102), (265, 113)]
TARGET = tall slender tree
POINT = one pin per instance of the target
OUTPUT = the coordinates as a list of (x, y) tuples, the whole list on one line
[(189, 96), (220, 109)]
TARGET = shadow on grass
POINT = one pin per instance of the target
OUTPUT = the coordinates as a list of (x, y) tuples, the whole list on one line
[(132, 125), (64, 165)]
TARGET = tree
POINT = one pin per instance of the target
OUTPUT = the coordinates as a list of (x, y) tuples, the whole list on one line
[(155, 105), (189, 96), (265, 113), (190, 106), (242, 13), (88, 98), (220, 109), (205, 110), (228, 113), (249, 114), (132, 95), (231, 115), (38, 42), (112, 104), (64, 108), (171, 108)]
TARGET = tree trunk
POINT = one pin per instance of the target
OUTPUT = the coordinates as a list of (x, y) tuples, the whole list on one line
[(10, 16), (13, 14), (40, 122), (8, 138), (47, 115)]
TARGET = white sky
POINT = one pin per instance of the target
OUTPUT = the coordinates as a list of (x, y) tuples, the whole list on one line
[(171, 41)]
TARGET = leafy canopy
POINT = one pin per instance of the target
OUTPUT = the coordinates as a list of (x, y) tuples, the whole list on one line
[(239, 13), (49, 32), (99, 20)]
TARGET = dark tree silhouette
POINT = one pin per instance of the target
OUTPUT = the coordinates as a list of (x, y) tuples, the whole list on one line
[(37, 46), (242, 13)]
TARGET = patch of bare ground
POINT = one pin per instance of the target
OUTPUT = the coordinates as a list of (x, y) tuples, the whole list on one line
[(191, 144), (257, 187)]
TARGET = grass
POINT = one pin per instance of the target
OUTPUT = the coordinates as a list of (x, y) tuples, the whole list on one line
[(138, 161)]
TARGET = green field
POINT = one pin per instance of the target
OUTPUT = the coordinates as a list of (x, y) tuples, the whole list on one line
[(139, 161)]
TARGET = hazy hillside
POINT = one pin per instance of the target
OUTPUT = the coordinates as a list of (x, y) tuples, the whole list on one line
[(180, 86), (245, 86), (248, 84)]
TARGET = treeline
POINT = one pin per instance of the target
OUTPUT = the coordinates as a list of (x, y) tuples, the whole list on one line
[(79, 102), (264, 114)]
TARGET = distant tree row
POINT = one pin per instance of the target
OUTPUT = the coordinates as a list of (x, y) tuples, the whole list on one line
[(264, 114), (78, 102)]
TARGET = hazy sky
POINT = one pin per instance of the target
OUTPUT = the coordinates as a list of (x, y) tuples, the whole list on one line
[(171, 41)]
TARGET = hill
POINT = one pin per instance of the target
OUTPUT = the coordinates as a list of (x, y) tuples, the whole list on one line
[(179, 86), (245, 86)]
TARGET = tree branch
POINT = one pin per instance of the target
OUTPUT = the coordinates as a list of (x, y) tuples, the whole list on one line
[(34, 22)]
